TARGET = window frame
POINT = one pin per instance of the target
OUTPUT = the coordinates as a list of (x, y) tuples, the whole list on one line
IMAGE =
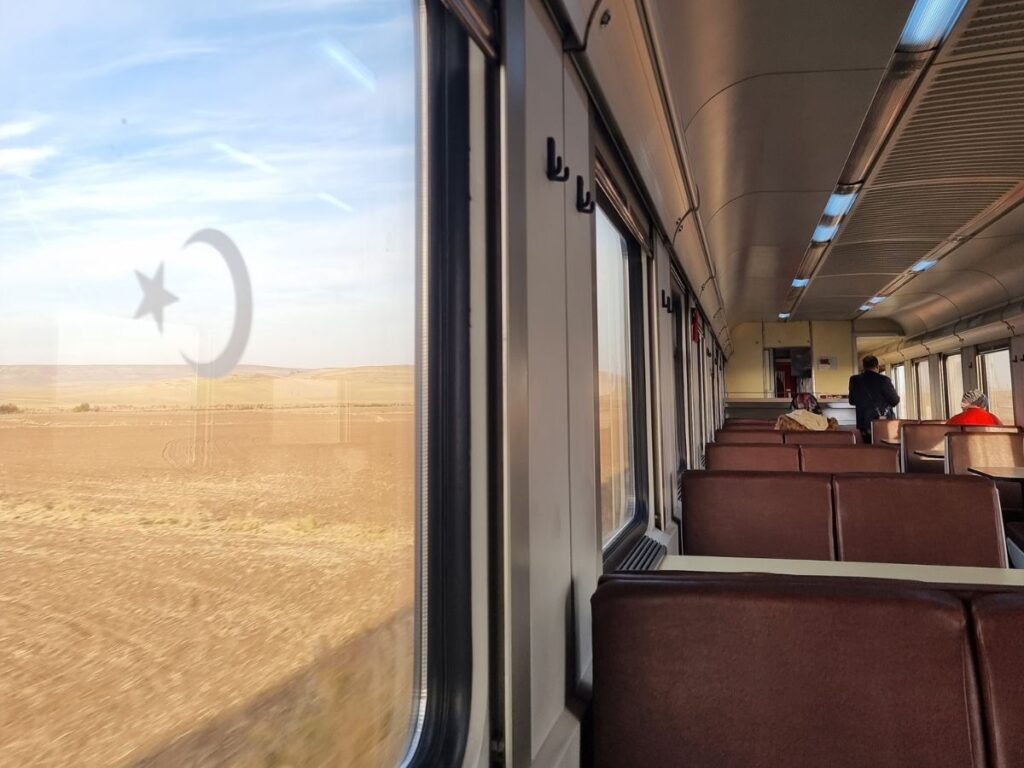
[(638, 519), (443, 673), (901, 390), (947, 390), (983, 383), (680, 382), (916, 364)]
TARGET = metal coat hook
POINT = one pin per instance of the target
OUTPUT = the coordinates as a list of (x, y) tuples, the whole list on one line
[(668, 303), (584, 202), (557, 171)]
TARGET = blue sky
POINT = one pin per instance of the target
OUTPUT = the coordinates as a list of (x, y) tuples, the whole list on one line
[(127, 126)]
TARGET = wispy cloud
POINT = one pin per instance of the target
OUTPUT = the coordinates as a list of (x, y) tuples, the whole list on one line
[(155, 52), (17, 129), (332, 200), (350, 64), (244, 157), (22, 160)]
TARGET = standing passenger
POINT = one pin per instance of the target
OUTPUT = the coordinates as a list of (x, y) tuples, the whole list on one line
[(873, 395), (975, 411)]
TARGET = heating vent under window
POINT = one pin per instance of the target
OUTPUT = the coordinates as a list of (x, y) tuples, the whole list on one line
[(645, 556)]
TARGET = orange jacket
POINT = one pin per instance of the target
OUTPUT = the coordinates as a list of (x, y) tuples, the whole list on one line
[(976, 417)]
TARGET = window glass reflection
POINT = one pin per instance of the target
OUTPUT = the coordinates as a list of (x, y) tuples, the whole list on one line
[(924, 390), (218, 556), (954, 384), (998, 384), (614, 380)]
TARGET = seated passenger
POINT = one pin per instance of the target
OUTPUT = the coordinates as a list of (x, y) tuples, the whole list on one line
[(975, 411), (806, 416)]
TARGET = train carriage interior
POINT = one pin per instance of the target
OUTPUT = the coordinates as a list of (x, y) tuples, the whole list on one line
[(512, 383)]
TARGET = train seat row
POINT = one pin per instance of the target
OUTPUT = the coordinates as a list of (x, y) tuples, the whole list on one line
[(729, 436), (880, 518), (802, 458), (922, 438), (753, 669)]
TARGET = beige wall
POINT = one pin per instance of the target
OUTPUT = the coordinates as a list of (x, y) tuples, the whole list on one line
[(833, 340), (745, 373)]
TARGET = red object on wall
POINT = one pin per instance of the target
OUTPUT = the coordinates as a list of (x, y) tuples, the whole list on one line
[(695, 329)]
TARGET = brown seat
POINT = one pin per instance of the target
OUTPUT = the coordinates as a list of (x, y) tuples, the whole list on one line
[(839, 459), (748, 424), (944, 520), (857, 437), (753, 457), (923, 437), (887, 429), (994, 428), (988, 449), (998, 629), (758, 514), (781, 671), (736, 436), (837, 437)]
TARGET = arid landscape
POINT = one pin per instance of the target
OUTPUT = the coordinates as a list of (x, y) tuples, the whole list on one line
[(204, 573)]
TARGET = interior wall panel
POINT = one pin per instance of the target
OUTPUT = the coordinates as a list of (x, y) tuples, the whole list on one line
[(550, 555), (581, 314)]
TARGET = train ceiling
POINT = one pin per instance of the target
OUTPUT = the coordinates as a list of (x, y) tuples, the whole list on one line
[(770, 97)]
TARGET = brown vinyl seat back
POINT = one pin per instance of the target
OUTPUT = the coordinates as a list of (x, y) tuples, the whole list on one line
[(748, 424), (752, 457), (758, 514), (887, 429), (923, 437), (843, 459), (998, 622), (988, 449), (925, 520), (737, 436), (852, 429), (836, 437), (781, 671), (1011, 429)]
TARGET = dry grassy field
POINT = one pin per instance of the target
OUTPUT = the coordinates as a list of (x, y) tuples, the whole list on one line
[(200, 574)]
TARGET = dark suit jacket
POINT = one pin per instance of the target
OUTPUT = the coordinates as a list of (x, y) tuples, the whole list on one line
[(873, 395)]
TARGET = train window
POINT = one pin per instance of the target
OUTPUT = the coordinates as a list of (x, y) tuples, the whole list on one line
[(996, 381), (923, 389), (899, 381), (615, 385), (208, 345), (954, 383)]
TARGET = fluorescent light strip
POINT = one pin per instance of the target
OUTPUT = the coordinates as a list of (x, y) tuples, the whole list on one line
[(823, 233), (801, 282), (840, 204), (877, 299), (929, 23), (783, 315), (922, 266), (865, 307)]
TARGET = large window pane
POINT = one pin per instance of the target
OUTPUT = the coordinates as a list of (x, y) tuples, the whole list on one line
[(954, 384), (924, 390), (614, 381), (998, 385), (209, 562), (899, 380)]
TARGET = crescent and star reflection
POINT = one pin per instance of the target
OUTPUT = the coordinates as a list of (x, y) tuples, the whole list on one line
[(155, 298)]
